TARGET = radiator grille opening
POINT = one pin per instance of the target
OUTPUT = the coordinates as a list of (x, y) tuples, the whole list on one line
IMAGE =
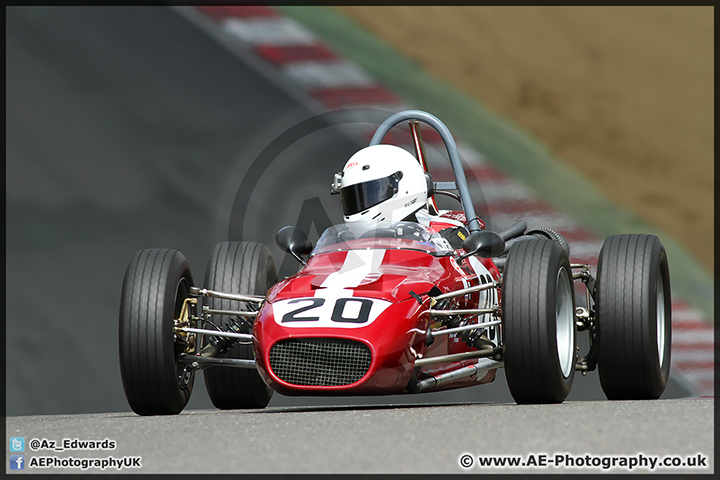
[(319, 361)]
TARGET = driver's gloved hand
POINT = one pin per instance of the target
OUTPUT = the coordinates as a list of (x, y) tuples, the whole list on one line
[(455, 236)]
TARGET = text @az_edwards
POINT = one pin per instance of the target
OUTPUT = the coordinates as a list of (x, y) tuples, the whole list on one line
[(67, 444)]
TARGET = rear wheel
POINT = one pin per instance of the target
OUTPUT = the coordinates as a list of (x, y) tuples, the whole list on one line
[(156, 284), (539, 329), (552, 235), (633, 312), (238, 267)]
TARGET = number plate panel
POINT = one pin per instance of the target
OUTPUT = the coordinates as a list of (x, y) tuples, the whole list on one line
[(329, 309)]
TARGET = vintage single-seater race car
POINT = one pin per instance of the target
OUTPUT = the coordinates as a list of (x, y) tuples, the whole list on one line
[(399, 298)]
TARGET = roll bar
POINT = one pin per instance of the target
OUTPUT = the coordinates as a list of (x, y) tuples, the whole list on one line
[(453, 153)]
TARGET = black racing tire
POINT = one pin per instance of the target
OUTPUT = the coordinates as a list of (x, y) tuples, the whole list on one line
[(156, 283), (238, 267), (552, 235), (633, 317), (538, 322)]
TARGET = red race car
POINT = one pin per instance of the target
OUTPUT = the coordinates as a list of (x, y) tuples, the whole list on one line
[(400, 298)]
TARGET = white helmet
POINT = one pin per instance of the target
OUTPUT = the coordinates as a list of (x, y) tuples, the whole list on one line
[(381, 185)]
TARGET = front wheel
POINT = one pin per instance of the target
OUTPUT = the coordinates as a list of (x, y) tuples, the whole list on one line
[(539, 331), (238, 267), (633, 317), (156, 284)]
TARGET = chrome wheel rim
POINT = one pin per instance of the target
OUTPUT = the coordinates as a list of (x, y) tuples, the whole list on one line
[(564, 323), (660, 320)]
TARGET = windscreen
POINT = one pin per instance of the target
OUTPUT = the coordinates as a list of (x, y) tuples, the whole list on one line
[(401, 235)]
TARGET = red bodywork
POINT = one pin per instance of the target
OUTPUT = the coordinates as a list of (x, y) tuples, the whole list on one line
[(395, 338)]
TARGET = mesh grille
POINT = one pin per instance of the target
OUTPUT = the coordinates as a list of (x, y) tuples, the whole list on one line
[(319, 361)]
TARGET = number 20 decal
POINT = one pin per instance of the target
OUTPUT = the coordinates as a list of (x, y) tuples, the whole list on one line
[(291, 316), (363, 315), (330, 312)]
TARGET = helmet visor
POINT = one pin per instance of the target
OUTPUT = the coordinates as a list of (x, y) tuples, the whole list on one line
[(361, 196)]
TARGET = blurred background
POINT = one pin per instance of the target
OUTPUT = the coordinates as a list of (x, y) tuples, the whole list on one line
[(132, 127), (622, 95)]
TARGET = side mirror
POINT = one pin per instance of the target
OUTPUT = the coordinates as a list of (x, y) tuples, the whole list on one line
[(294, 241), (484, 243)]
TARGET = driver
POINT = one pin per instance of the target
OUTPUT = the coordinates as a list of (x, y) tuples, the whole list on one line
[(381, 185)]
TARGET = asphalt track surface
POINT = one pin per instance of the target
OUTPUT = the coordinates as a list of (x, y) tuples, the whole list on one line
[(130, 128), (386, 439)]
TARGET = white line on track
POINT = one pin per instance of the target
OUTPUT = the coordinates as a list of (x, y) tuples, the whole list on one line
[(498, 192), (682, 314), (535, 220), (699, 375), (471, 156), (697, 356), (693, 337), (322, 74), (275, 31)]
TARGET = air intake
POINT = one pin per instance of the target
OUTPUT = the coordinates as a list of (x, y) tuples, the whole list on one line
[(324, 362)]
